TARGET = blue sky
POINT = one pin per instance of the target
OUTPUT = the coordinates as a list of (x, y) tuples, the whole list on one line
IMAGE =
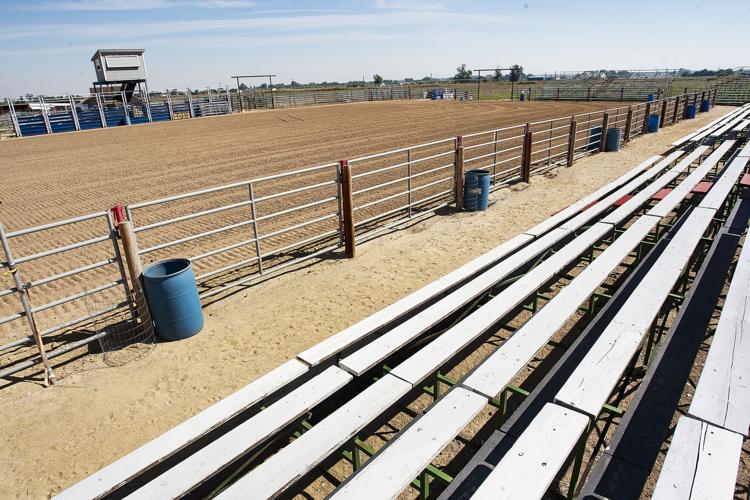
[(46, 45)]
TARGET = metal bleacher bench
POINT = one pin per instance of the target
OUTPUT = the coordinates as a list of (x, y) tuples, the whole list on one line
[(705, 450), (422, 441), (589, 386)]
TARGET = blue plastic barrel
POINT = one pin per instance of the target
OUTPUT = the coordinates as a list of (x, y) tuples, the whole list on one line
[(650, 98), (523, 96), (705, 105), (614, 137), (690, 111), (476, 190), (653, 123), (172, 298), (595, 138)]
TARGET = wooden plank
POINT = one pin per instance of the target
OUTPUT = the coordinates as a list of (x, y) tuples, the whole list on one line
[(741, 126), (730, 124), (529, 467), (709, 125), (439, 351), (715, 198), (722, 396), (360, 330), (497, 371), (164, 446), (645, 194), (666, 205), (600, 193), (701, 463), (185, 476), (376, 351), (590, 385), (301, 455), (389, 472)]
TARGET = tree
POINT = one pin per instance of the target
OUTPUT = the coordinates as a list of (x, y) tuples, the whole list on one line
[(498, 74), (516, 72), (264, 85), (243, 87), (462, 73), (377, 79)]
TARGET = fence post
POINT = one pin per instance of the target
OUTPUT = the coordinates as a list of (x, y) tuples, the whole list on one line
[(347, 206), (132, 253), (713, 99), (408, 178), (13, 116), (646, 117), (603, 137), (695, 98), (458, 172), (663, 113), (622, 94), (676, 109), (572, 140), (526, 163), (23, 295), (495, 138), (169, 104), (74, 113), (229, 102), (190, 103), (47, 124), (256, 232), (628, 123), (588, 95), (100, 106)]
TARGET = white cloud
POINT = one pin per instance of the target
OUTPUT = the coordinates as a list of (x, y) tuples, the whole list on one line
[(105, 5)]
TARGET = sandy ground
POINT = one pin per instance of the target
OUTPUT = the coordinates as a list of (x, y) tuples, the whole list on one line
[(55, 437)]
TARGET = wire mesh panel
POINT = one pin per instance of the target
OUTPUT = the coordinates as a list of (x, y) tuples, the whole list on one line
[(60, 266)]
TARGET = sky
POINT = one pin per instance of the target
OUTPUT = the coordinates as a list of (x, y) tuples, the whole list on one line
[(46, 45)]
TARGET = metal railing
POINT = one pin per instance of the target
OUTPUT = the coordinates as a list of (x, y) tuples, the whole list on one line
[(239, 232)]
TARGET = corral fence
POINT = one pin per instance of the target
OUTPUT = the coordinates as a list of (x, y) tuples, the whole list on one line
[(58, 278), (48, 115), (250, 99)]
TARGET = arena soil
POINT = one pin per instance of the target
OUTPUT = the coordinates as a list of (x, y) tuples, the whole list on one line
[(55, 437)]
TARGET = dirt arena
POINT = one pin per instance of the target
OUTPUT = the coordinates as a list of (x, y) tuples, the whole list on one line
[(55, 177), (55, 437), (64, 175)]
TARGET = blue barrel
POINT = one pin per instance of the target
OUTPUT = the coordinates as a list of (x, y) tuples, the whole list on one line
[(705, 105), (595, 138), (476, 190), (523, 96), (172, 298), (690, 111), (650, 98), (126, 119), (614, 137), (653, 123)]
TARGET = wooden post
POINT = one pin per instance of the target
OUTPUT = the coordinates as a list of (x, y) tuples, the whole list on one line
[(713, 99), (676, 109), (348, 208), (132, 255), (695, 99), (458, 173), (558, 94), (588, 95), (663, 113), (572, 141), (703, 98), (646, 117), (526, 163), (603, 137), (628, 123)]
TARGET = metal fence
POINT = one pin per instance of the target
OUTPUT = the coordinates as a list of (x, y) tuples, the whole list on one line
[(48, 115), (239, 232)]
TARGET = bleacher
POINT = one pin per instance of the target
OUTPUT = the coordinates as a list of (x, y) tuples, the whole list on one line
[(656, 221)]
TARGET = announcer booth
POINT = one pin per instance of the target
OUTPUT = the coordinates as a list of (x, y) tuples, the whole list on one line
[(120, 70)]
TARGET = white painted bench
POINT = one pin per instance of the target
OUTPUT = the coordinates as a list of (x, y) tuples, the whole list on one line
[(745, 151), (340, 341), (667, 204), (206, 462), (592, 382), (716, 196), (741, 126), (529, 467), (731, 123), (110, 477), (389, 473), (417, 446), (722, 397), (377, 350), (717, 126), (681, 141), (701, 463), (304, 453), (301, 455)]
